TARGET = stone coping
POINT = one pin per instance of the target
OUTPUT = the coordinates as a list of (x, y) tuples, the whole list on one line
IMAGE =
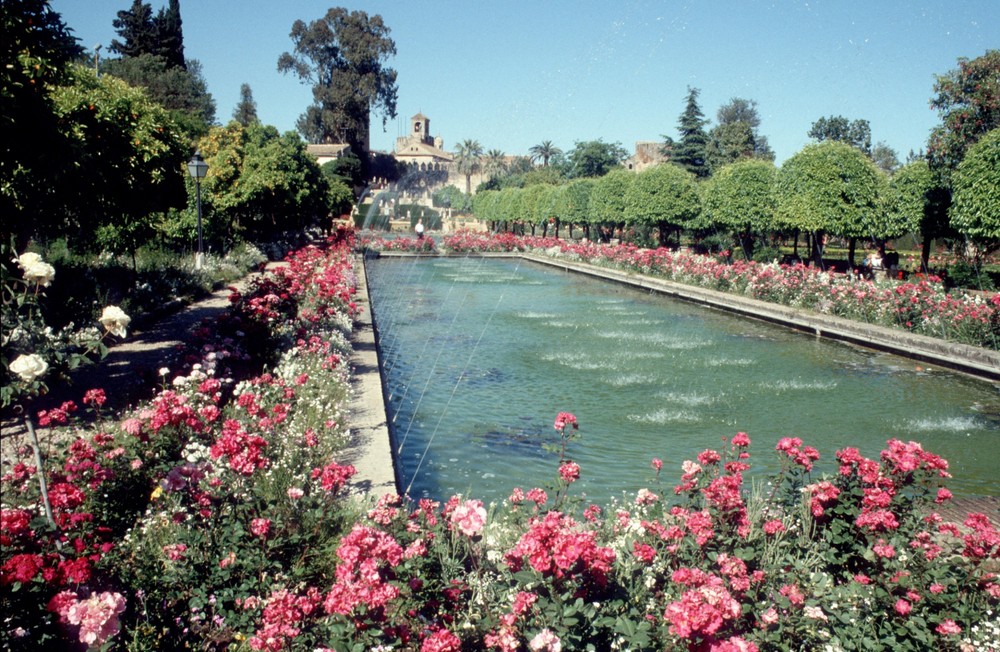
[(974, 361), (370, 447)]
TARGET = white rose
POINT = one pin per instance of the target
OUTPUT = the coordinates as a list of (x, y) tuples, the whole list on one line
[(28, 259), (39, 273), (29, 367), (115, 320)]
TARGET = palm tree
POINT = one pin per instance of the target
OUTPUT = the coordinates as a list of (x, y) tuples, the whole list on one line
[(467, 161), (495, 163), (545, 151)]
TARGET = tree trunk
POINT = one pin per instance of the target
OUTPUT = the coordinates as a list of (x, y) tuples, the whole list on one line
[(851, 248), (817, 248), (795, 243)]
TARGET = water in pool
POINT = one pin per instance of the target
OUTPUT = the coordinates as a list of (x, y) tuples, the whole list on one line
[(480, 354)]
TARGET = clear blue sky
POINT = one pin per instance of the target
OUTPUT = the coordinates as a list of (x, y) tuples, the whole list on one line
[(513, 74)]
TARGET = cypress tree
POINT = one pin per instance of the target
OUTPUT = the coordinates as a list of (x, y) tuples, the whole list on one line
[(692, 149), (246, 111), (170, 36), (135, 27)]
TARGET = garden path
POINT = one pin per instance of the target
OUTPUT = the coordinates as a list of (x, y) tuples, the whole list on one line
[(129, 373)]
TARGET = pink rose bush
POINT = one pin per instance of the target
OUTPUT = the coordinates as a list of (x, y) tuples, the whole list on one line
[(220, 515)]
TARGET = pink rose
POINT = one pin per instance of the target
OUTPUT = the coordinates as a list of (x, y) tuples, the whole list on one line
[(469, 517), (260, 527)]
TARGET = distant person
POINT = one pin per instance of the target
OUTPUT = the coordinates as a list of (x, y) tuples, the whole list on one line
[(419, 228)]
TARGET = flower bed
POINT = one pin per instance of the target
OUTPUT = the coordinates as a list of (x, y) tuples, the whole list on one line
[(219, 516)]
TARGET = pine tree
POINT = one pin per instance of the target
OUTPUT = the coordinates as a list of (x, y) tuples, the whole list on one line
[(690, 152), (246, 111), (135, 26)]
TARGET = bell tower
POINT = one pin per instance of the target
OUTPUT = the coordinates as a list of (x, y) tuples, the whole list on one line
[(420, 128)]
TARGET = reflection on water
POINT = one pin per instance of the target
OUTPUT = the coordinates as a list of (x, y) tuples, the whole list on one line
[(480, 354)]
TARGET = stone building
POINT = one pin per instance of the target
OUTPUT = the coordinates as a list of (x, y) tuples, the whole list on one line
[(326, 152), (647, 154), (420, 150)]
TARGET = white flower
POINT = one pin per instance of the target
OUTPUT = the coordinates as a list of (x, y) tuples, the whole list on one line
[(545, 641), (115, 320), (28, 258), (39, 273), (29, 367), (164, 371)]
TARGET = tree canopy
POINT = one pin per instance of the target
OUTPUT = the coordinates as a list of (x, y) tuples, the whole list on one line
[(663, 196), (543, 152), (468, 160), (968, 102), (975, 210), (260, 182), (742, 197), (856, 133), (607, 199), (128, 155), (343, 55), (182, 91), (737, 135), (594, 158), (142, 33), (35, 52), (831, 187)]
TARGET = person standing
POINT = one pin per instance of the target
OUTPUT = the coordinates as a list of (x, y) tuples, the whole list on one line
[(419, 228)]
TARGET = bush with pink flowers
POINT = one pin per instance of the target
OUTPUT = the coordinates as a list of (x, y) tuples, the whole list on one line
[(220, 515)]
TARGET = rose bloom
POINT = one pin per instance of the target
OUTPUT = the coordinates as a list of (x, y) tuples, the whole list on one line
[(902, 607), (115, 320), (295, 493), (260, 527), (769, 617), (570, 471), (645, 497), (28, 258), (29, 367), (948, 627), (40, 273), (773, 527), (469, 517), (545, 641)]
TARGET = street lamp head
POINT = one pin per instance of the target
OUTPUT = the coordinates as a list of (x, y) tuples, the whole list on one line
[(197, 167)]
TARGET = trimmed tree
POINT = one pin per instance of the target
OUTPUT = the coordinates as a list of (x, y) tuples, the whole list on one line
[(742, 197), (574, 202), (975, 210), (607, 201), (664, 197), (831, 187), (919, 202)]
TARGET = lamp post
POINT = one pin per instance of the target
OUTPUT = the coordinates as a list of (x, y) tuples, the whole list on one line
[(198, 168)]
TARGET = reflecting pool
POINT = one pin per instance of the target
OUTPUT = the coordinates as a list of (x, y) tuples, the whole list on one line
[(480, 354)]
